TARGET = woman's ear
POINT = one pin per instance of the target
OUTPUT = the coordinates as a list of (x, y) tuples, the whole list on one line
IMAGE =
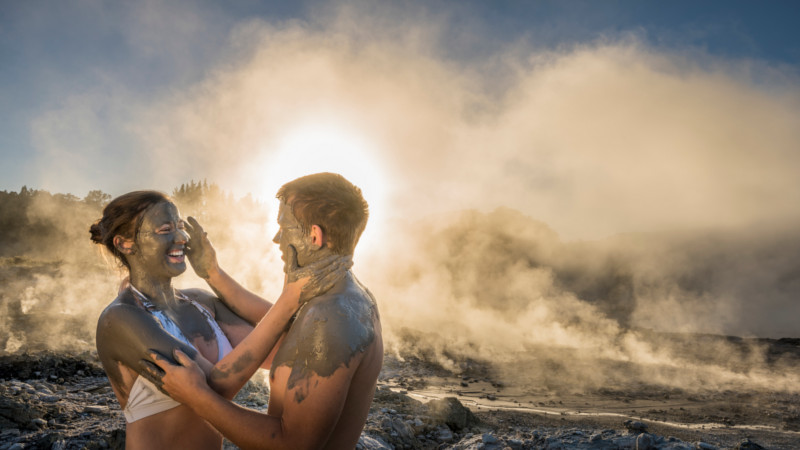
[(123, 245), (317, 237)]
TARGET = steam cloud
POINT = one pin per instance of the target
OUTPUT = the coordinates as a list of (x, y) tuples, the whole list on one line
[(592, 140)]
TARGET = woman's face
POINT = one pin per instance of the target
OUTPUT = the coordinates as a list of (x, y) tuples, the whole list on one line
[(159, 245)]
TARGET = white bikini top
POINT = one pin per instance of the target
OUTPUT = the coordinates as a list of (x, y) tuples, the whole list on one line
[(145, 399)]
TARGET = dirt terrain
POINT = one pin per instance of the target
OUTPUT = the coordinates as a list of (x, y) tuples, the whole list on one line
[(64, 401)]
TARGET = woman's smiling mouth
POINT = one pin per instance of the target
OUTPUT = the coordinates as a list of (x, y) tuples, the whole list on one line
[(176, 256)]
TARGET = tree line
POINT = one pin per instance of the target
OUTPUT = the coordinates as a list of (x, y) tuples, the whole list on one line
[(35, 222)]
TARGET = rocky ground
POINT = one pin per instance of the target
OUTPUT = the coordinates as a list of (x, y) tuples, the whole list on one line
[(61, 401)]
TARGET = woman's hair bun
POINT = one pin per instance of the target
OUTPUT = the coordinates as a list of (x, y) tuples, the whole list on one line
[(96, 231)]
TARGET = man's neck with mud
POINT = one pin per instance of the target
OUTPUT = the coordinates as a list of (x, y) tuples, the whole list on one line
[(318, 255), (308, 254), (158, 290)]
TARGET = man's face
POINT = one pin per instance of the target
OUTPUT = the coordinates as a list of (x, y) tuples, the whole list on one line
[(160, 242), (291, 233)]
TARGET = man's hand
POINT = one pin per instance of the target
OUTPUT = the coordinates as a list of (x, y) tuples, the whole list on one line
[(182, 382), (315, 278), (201, 253)]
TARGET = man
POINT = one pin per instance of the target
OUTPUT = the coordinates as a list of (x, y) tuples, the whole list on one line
[(324, 372)]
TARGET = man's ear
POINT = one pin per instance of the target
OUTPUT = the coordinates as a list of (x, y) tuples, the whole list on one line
[(317, 236), (123, 245)]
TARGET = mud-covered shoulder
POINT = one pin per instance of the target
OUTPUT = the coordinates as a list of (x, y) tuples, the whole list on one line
[(218, 309), (126, 333), (112, 316), (329, 332), (203, 297)]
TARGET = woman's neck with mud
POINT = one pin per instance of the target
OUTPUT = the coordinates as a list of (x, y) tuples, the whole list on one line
[(158, 290)]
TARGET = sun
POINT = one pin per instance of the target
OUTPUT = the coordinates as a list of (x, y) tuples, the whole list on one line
[(314, 148)]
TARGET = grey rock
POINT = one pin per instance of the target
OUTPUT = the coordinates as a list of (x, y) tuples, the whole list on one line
[(677, 445), (644, 441), (628, 441), (706, 446), (372, 443), (443, 434), (9, 432), (515, 444), (95, 409), (747, 444), (488, 439), (451, 412), (404, 432), (635, 426)]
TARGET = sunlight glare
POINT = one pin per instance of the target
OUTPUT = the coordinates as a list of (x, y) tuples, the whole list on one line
[(317, 148)]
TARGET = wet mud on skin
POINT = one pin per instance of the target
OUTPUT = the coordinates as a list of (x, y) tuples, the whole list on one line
[(150, 334), (155, 256), (328, 332)]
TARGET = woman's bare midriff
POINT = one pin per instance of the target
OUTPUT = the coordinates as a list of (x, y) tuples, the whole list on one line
[(177, 428)]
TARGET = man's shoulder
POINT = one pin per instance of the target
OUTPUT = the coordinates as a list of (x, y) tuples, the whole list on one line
[(330, 330), (349, 302)]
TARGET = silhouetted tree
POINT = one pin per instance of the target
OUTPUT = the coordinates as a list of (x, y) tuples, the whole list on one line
[(97, 198)]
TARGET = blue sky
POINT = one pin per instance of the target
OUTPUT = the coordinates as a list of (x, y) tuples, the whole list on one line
[(86, 85)]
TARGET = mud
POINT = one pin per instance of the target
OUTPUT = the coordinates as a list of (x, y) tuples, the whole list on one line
[(329, 331), (291, 233)]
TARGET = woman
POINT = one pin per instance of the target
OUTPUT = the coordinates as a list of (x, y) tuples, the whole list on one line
[(144, 231)]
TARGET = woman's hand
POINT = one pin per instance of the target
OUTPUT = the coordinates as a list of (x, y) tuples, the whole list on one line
[(201, 253), (316, 278)]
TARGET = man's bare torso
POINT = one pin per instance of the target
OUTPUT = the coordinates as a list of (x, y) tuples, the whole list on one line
[(335, 341)]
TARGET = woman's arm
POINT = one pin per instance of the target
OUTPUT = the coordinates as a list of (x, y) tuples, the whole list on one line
[(126, 333), (236, 329), (203, 258), (320, 275), (231, 373)]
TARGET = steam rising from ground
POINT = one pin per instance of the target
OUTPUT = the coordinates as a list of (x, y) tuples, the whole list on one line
[(503, 287), (592, 140)]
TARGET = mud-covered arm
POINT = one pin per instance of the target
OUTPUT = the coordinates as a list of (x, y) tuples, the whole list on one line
[(251, 345), (240, 300), (319, 276), (125, 334), (313, 402), (203, 258), (306, 424), (231, 373), (235, 328)]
